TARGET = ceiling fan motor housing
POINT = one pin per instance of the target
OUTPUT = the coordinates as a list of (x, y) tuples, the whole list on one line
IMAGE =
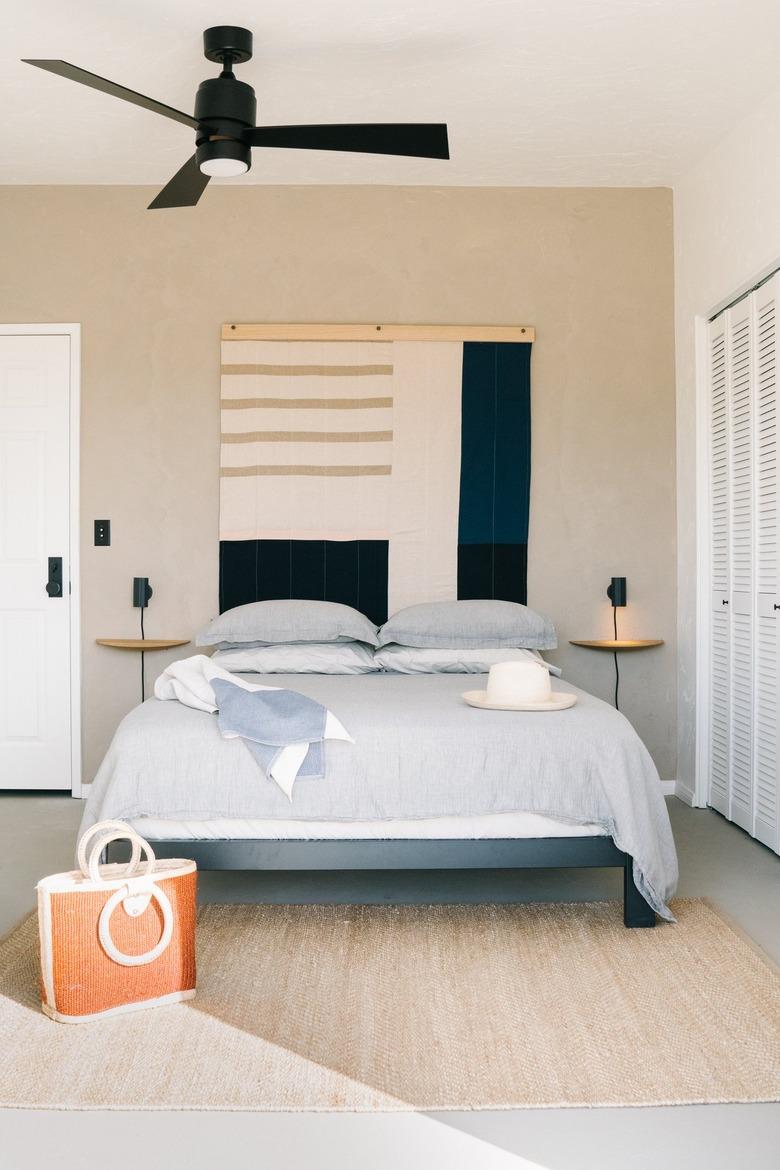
[(224, 107)]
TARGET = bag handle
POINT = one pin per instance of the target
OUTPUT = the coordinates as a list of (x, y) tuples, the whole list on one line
[(103, 827), (106, 839), (111, 831), (104, 923)]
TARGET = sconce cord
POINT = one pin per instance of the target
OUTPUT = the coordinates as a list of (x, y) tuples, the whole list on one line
[(143, 686), (615, 656)]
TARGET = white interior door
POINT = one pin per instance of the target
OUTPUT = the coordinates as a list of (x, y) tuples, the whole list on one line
[(36, 675)]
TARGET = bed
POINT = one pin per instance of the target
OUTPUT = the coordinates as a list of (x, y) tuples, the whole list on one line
[(429, 783)]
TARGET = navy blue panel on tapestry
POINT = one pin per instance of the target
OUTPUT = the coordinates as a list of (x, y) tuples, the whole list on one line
[(342, 574), (510, 572), (373, 557), (353, 572), (513, 443), (273, 578), (237, 573), (495, 470), (499, 571), (356, 575), (307, 569)]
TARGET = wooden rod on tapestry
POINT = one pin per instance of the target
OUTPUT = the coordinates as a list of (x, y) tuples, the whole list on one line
[(367, 332)]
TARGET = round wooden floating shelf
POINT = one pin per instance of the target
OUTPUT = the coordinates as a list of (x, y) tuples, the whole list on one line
[(617, 644), (142, 643)]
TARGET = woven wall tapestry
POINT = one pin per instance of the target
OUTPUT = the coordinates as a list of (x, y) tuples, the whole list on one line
[(374, 473)]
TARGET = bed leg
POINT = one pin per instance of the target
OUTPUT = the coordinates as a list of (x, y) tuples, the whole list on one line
[(636, 911)]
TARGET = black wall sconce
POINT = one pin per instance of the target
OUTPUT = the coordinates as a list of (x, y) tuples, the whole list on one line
[(616, 592), (142, 591)]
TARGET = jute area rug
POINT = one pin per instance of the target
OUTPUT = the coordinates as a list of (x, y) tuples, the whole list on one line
[(417, 1007)]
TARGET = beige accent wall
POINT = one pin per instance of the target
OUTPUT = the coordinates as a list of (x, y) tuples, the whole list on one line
[(591, 269)]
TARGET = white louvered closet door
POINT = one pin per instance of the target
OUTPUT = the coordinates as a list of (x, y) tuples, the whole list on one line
[(743, 633)]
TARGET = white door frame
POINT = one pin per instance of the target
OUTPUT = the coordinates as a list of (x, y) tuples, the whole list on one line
[(73, 332)]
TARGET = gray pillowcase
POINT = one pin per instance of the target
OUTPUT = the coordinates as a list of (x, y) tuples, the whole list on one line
[(469, 624), (300, 658), (266, 623), (451, 659)]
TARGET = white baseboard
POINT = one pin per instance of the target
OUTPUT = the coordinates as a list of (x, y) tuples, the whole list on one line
[(684, 793), (669, 787)]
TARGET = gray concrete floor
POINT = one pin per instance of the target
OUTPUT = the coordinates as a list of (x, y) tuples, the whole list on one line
[(717, 860)]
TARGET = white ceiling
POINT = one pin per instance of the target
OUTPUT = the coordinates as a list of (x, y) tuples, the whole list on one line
[(535, 92)]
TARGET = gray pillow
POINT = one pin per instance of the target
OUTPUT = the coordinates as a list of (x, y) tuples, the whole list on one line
[(266, 623), (469, 624)]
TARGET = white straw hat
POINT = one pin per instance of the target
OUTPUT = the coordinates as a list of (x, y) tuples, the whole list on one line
[(519, 686)]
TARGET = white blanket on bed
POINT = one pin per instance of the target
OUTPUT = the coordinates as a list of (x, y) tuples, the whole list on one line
[(189, 681)]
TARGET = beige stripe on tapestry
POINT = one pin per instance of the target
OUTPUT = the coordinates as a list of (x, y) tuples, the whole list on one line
[(307, 436), (307, 469), (287, 371), (306, 403)]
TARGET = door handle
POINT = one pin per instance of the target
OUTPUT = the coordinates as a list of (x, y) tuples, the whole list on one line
[(54, 583)]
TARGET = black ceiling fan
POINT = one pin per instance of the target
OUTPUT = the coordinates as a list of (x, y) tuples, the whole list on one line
[(225, 111)]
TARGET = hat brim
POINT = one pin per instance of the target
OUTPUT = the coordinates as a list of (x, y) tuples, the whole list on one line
[(558, 701)]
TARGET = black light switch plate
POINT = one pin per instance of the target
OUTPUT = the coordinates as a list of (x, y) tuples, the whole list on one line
[(102, 532)]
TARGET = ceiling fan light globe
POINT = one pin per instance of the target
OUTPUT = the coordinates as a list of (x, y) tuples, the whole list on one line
[(223, 168), (223, 158)]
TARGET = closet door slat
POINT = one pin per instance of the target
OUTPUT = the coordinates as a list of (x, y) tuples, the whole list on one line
[(740, 381), (720, 626), (767, 712)]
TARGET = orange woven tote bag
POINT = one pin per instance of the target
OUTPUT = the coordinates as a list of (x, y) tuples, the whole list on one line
[(116, 937)]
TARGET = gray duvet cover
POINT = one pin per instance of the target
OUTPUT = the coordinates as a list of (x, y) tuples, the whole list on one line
[(419, 751)]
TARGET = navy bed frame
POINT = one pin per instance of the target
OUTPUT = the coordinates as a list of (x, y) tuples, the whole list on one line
[(521, 853)]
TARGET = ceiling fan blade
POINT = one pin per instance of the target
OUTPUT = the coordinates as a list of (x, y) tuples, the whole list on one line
[(184, 189), (417, 139), (74, 73)]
